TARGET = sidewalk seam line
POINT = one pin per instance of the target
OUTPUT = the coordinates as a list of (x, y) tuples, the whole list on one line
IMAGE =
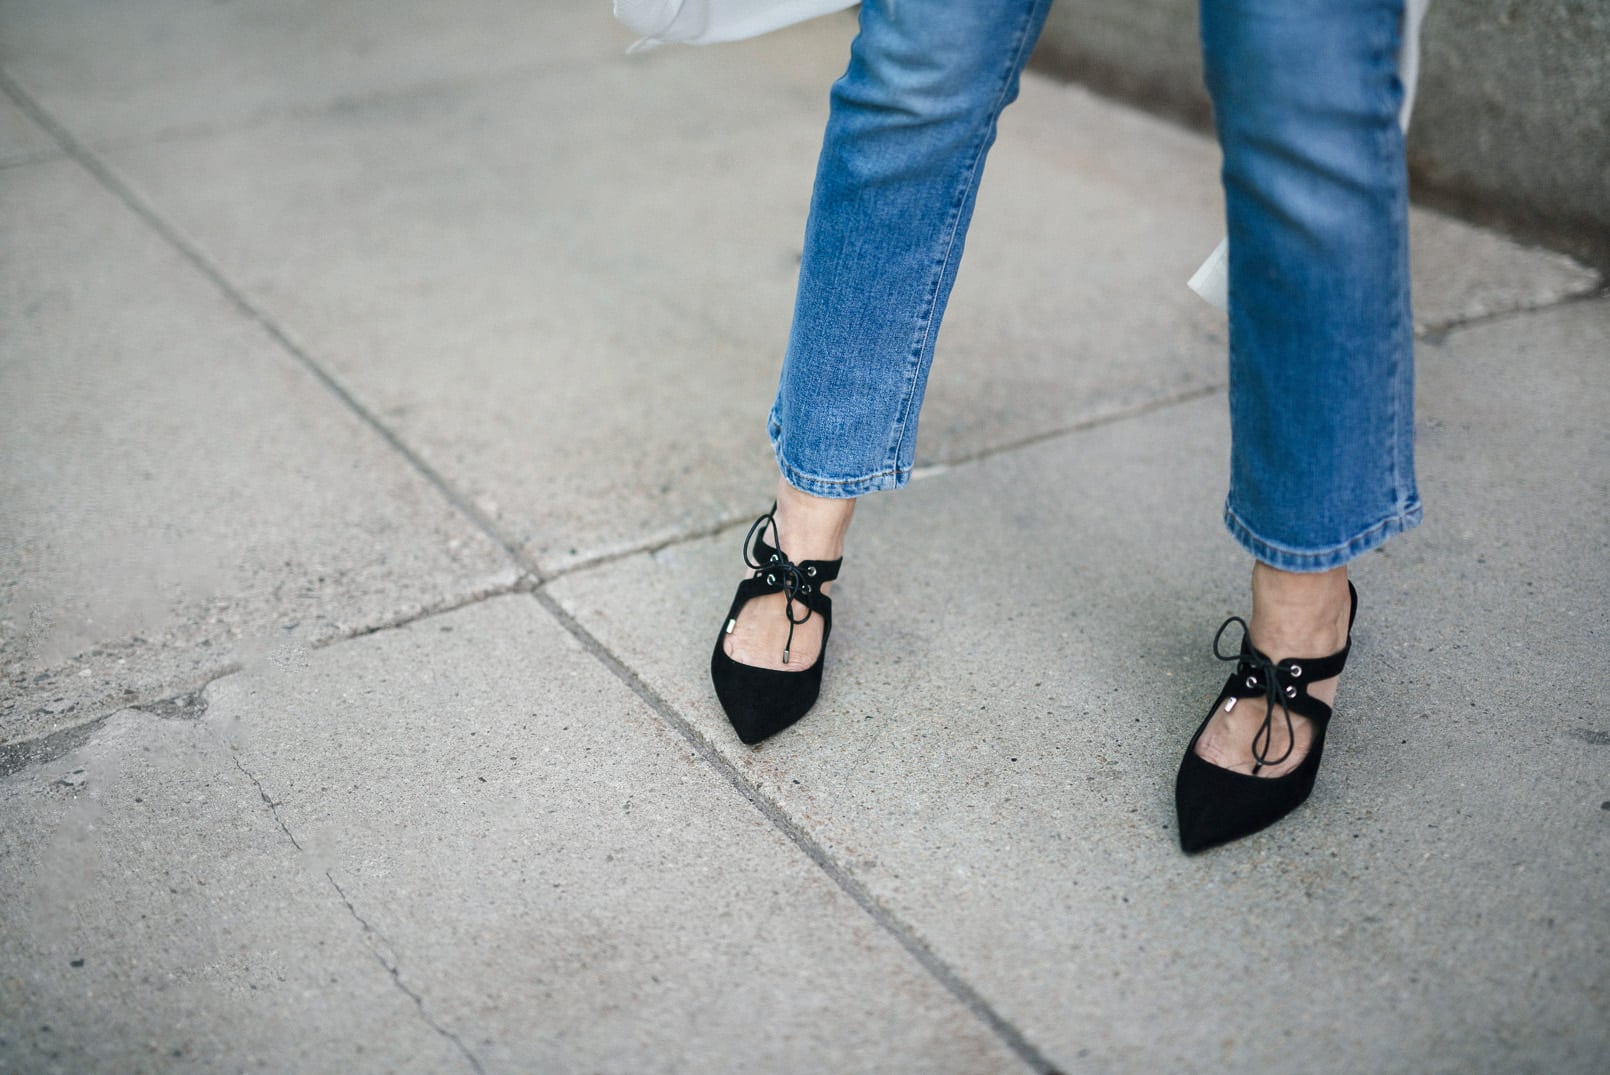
[(903, 934), (927, 469), (1432, 333)]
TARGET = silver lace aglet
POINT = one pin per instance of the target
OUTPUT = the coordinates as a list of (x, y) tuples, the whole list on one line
[(1227, 705), (730, 625), (785, 656)]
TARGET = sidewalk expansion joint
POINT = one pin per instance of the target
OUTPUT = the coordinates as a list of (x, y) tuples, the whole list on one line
[(524, 582), (687, 537), (379, 947), (1083, 425), (926, 470), (903, 934)]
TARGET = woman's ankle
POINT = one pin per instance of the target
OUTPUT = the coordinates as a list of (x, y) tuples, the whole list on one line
[(1299, 614), (811, 527)]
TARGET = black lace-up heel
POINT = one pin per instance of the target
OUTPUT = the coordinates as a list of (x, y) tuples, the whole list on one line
[(763, 701), (1216, 805)]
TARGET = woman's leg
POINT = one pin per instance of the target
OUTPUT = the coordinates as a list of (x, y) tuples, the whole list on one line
[(1306, 98), (911, 122)]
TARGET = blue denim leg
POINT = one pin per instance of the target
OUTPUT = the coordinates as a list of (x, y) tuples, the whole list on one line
[(911, 122), (1305, 98)]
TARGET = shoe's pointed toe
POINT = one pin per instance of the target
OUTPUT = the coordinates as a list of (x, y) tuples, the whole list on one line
[(760, 702), (1215, 806), (1200, 826)]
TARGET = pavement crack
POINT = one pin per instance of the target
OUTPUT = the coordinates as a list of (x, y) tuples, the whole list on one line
[(273, 805), (377, 943), (383, 951)]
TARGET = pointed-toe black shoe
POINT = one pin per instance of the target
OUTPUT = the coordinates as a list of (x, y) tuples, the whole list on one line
[(761, 702), (1216, 806)]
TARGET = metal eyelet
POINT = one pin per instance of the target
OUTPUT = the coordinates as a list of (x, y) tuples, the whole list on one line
[(1291, 692), (1252, 683), (1295, 671), (805, 588), (811, 571), (774, 557), (771, 580)]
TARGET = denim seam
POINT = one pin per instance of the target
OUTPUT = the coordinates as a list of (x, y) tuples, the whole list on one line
[(967, 188), (1402, 339)]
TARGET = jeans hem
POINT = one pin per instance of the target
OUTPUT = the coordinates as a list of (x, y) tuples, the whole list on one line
[(839, 489), (1287, 558), (849, 489)]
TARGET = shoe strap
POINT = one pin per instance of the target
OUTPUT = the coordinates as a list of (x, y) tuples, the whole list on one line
[(800, 583), (815, 571), (1283, 683)]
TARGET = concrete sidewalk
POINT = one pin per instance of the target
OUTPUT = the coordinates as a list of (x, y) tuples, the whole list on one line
[(381, 406)]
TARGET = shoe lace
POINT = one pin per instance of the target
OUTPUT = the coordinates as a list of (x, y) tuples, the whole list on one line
[(780, 572), (1260, 672)]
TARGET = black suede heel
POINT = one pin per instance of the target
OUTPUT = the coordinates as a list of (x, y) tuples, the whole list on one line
[(763, 701), (1216, 805)]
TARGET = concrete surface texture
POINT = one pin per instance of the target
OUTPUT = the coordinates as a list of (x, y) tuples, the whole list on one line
[(1512, 123), (382, 391)]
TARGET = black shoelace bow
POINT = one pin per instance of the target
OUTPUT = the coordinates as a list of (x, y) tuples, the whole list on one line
[(1260, 671), (780, 572)]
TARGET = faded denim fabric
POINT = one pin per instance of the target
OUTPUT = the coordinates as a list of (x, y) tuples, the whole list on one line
[(1306, 96)]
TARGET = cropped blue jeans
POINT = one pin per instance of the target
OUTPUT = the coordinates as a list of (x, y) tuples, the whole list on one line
[(1305, 98)]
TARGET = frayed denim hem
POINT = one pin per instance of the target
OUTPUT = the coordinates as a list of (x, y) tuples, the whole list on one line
[(1286, 558)]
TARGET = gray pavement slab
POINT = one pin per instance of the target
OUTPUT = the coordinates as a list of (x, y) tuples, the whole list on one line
[(159, 68), (1464, 273), (472, 806), (178, 490), (154, 917), (1021, 651), (542, 317)]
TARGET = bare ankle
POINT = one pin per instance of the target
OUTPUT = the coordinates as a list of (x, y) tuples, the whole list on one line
[(1299, 615), (811, 527)]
